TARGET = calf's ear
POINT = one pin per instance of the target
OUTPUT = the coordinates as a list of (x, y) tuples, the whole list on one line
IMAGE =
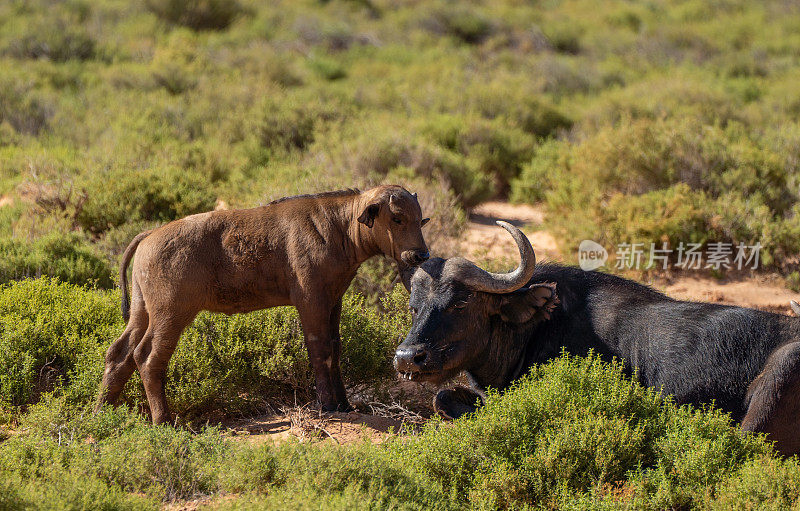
[(370, 213), (531, 303)]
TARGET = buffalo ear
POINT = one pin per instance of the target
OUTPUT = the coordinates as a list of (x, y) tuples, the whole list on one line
[(531, 303), (425, 221), (370, 213)]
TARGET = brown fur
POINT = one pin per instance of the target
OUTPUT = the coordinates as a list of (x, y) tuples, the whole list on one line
[(302, 251)]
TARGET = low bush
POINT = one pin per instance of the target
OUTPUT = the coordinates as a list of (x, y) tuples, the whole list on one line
[(197, 14), (666, 180), (234, 364), (55, 33), (574, 433), (51, 333), (495, 150), (462, 23), (53, 337), (153, 195), (67, 256), (22, 108)]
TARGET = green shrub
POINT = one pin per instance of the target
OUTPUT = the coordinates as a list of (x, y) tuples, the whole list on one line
[(23, 107), (197, 14), (153, 195), (762, 483), (53, 337), (461, 23), (568, 432), (498, 152), (541, 118), (286, 127), (327, 67), (564, 36), (233, 364), (114, 456), (68, 257), (540, 175), (574, 433), (55, 32), (50, 332), (666, 180)]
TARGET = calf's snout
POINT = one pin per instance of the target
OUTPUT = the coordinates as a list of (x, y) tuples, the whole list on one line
[(415, 257)]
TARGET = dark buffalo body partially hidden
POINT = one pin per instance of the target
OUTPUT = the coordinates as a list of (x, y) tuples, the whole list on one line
[(746, 361)]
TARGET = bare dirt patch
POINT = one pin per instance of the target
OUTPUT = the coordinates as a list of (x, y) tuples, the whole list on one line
[(764, 292), (307, 425), (483, 239), (401, 407)]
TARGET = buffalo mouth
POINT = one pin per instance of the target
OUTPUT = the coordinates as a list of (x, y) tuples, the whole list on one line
[(420, 375)]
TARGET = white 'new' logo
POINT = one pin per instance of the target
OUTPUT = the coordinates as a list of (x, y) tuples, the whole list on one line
[(591, 255)]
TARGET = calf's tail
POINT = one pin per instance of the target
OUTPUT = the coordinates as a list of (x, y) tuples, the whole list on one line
[(123, 272)]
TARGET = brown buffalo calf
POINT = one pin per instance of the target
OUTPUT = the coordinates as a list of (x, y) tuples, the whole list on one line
[(302, 251)]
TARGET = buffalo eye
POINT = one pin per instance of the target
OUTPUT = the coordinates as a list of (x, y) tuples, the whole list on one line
[(459, 304), (397, 220)]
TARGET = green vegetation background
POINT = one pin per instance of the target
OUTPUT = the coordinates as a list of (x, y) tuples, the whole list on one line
[(630, 121)]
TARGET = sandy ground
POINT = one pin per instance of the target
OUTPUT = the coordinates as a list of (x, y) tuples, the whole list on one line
[(484, 239), (310, 425), (758, 292)]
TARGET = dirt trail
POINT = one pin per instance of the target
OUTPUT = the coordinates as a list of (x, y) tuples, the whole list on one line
[(483, 239)]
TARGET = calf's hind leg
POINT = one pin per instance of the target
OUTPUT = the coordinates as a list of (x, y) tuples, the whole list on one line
[(119, 357), (774, 400), (152, 358)]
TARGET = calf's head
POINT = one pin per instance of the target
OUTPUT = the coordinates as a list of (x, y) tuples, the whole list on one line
[(455, 305), (394, 219)]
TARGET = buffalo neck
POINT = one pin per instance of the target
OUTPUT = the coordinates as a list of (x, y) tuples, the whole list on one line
[(498, 364)]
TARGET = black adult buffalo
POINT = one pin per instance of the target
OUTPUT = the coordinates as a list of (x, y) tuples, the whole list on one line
[(496, 326)]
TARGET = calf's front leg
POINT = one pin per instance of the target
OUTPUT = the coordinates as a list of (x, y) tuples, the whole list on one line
[(316, 330), (336, 352)]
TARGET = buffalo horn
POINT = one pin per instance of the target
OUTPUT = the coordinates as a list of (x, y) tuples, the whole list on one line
[(482, 280)]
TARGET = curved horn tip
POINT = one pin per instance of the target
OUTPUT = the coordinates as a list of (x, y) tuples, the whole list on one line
[(795, 307), (511, 228)]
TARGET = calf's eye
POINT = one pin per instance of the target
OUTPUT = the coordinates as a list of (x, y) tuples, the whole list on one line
[(396, 220)]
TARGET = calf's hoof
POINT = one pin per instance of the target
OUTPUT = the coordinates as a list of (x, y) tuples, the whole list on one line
[(337, 407)]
